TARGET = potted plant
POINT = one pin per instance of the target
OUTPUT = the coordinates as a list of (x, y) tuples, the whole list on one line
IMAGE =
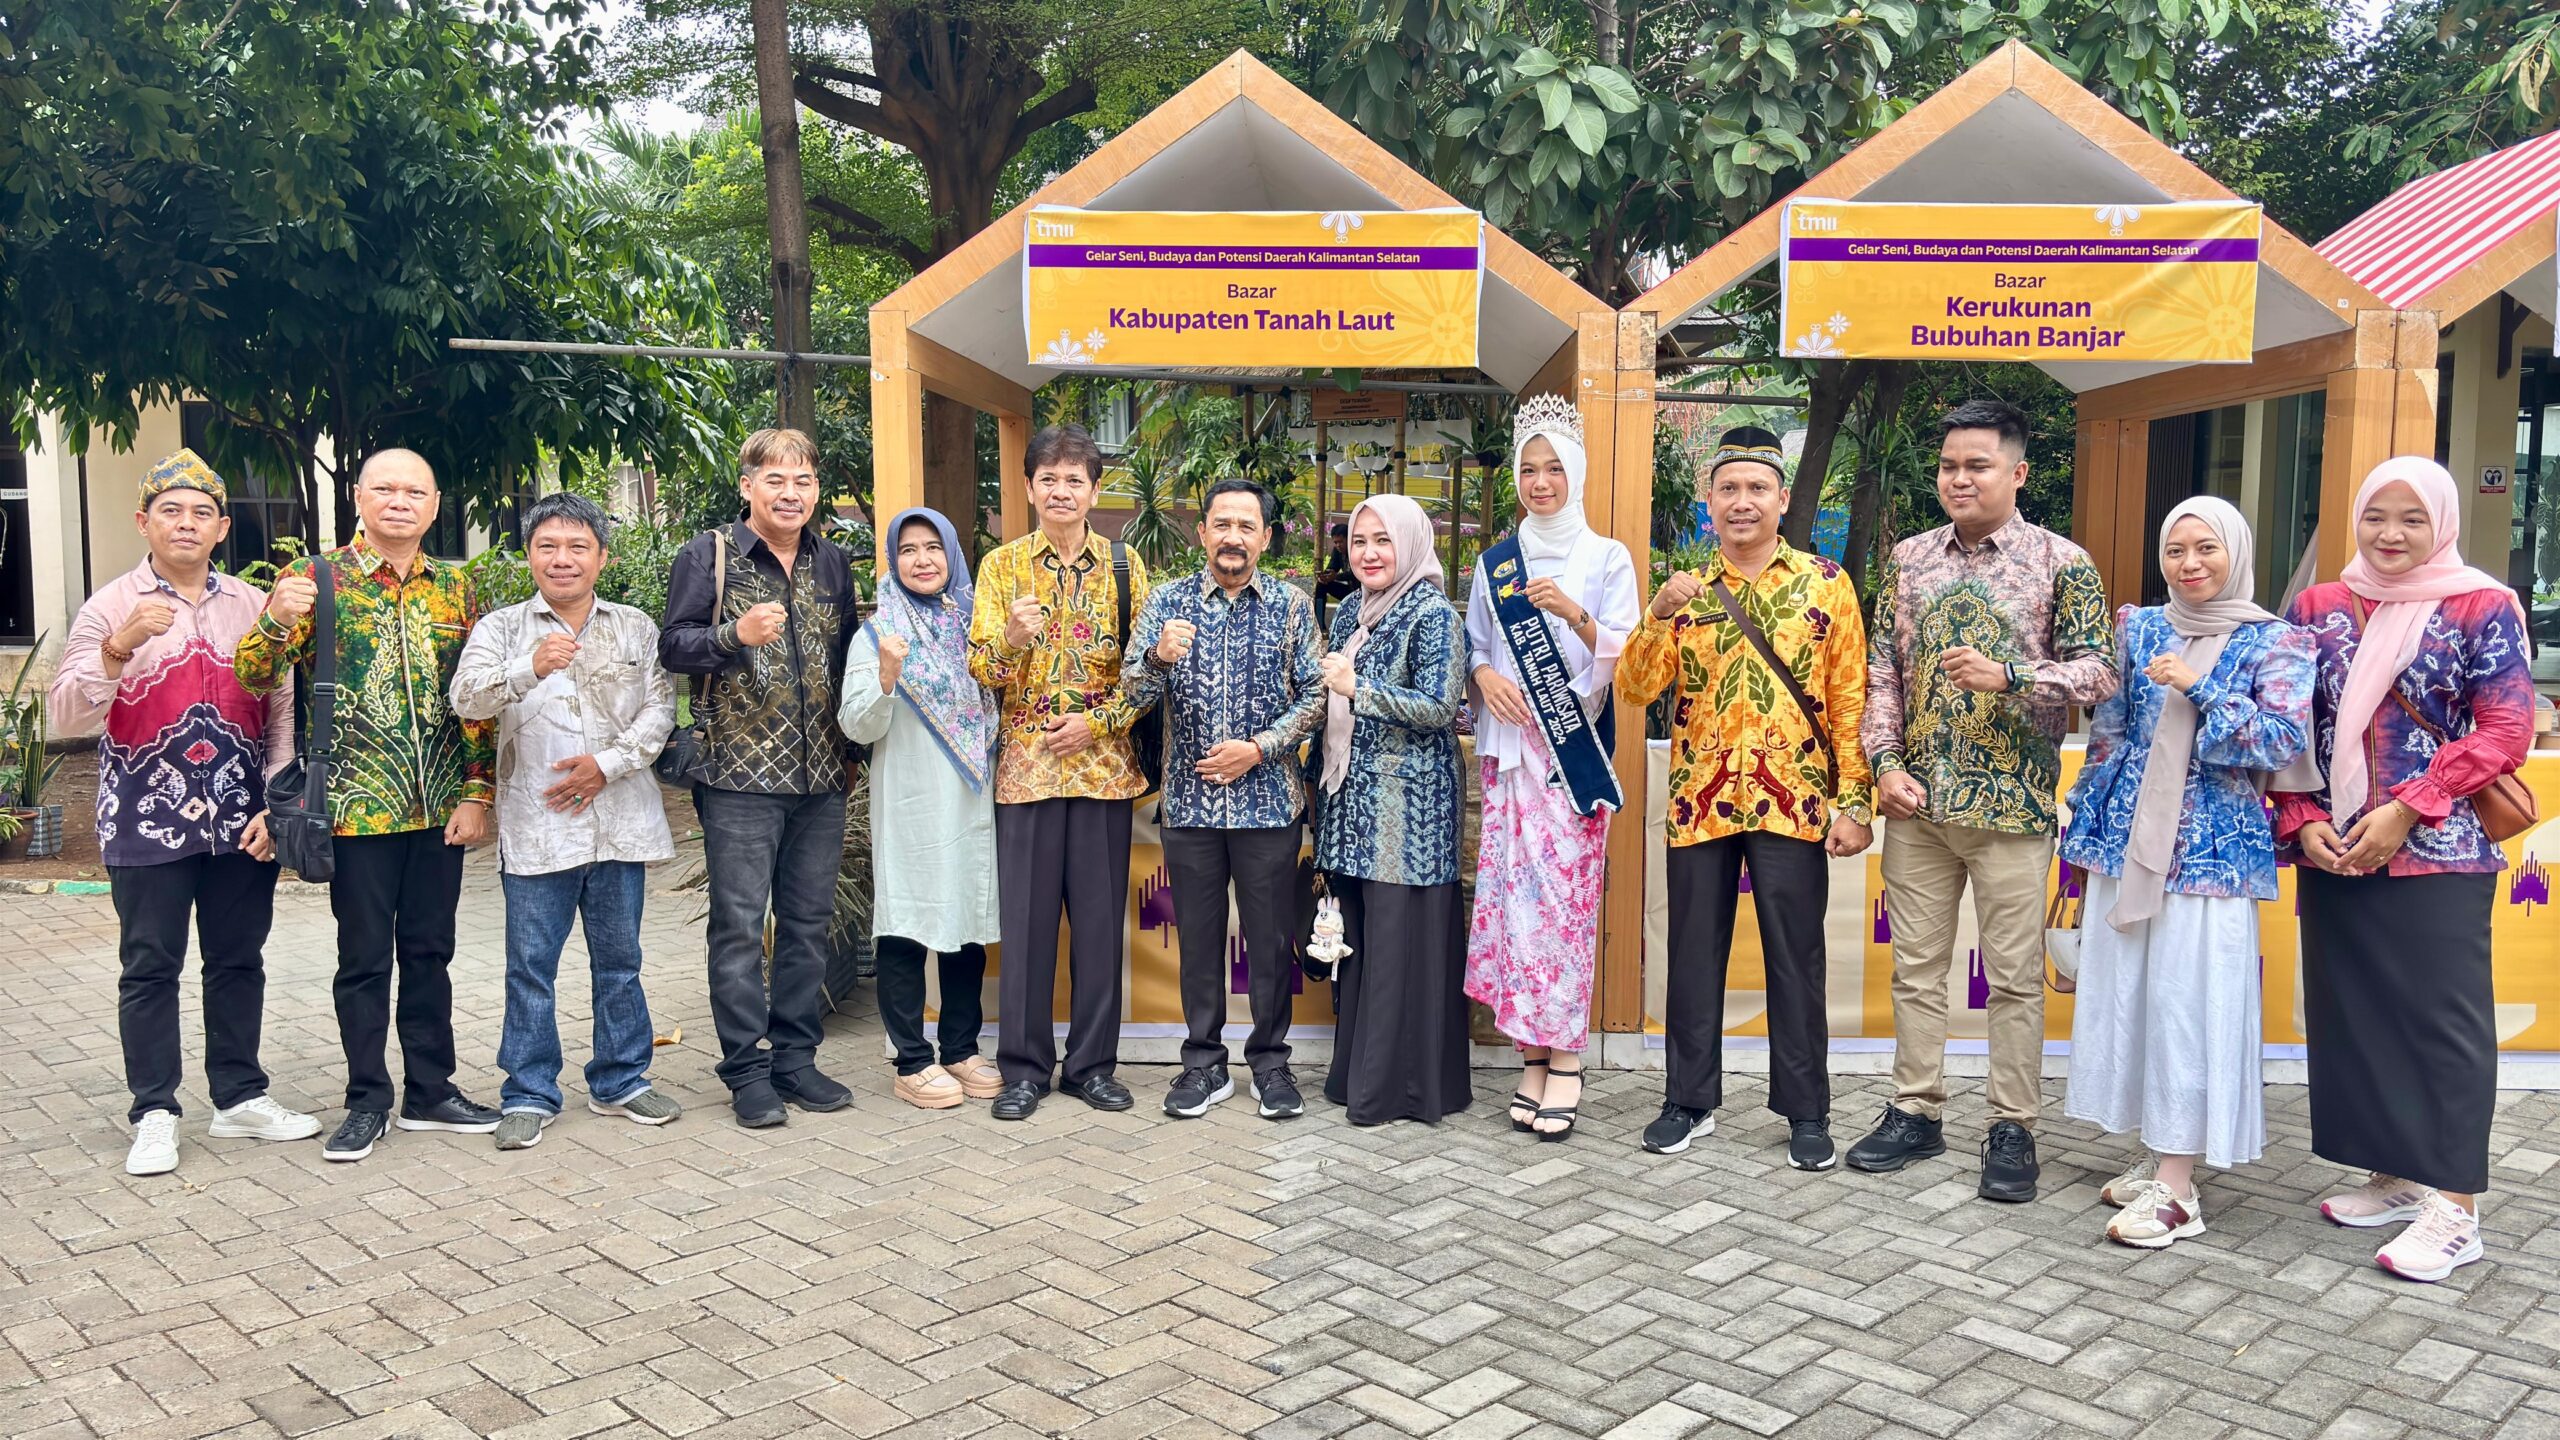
[(13, 836), (24, 768)]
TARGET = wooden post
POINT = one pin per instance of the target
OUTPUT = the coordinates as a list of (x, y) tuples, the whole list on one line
[(897, 426), (1615, 392), (1013, 442)]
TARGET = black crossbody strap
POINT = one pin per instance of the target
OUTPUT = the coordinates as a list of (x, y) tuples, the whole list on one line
[(324, 688), (719, 600), (1120, 579), (1786, 677)]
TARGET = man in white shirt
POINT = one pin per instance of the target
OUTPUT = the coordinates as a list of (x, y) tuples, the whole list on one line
[(583, 710)]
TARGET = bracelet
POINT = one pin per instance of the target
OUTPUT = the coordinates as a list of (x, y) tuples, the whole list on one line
[(112, 651)]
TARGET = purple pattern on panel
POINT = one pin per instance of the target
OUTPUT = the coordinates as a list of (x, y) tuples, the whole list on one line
[(2532, 885), (1884, 922), (1977, 981), (1239, 973), (1256, 257), (1155, 904), (1940, 249)]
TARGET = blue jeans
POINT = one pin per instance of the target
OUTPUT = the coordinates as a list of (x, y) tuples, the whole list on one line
[(607, 896)]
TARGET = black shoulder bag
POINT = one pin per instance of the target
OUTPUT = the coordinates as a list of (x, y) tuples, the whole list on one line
[(1146, 733), (298, 797), (682, 760)]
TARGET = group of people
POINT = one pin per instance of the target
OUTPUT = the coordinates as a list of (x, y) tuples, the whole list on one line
[(1013, 716)]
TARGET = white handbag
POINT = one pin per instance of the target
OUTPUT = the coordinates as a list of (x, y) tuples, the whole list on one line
[(2062, 916)]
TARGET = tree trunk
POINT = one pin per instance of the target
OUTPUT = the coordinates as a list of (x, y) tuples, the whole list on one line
[(786, 214), (1605, 31), (951, 462), (1835, 385), (1867, 492)]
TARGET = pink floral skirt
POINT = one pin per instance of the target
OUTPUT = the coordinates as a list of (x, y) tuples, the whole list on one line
[(1533, 941)]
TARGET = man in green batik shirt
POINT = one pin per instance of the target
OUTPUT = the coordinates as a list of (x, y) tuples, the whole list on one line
[(1989, 631), (411, 787)]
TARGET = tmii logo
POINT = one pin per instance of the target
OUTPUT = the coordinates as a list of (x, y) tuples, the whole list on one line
[(1052, 229)]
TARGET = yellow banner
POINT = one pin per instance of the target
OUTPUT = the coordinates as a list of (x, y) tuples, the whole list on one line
[(1370, 289), (2174, 282)]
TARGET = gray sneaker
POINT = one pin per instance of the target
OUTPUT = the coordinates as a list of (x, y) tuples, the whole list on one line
[(522, 1129), (645, 1108)]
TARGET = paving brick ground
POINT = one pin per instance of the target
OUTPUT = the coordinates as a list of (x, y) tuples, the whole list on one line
[(886, 1272)]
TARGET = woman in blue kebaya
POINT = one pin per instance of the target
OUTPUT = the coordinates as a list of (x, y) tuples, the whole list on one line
[(2169, 819)]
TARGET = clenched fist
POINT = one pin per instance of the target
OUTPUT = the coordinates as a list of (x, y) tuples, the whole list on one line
[(1676, 593), (553, 655), (762, 624), (1175, 642), (1338, 676), (294, 597), (893, 660), (151, 617), (1900, 796), (1022, 621)]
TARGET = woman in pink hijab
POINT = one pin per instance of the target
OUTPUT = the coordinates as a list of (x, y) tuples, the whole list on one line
[(2422, 698)]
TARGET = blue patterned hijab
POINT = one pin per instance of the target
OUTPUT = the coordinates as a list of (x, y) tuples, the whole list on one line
[(935, 680)]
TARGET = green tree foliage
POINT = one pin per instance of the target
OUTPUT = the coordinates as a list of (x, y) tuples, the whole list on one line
[(2460, 78), (312, 200)]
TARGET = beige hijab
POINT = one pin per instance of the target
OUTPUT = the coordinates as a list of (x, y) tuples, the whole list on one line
[(2206, 626), (1417, 561)]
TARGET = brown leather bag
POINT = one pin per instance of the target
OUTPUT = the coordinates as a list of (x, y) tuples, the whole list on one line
[(2506, 806)]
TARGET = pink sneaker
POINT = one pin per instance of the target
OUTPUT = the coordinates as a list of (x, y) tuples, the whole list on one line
[(2445, 1238), (2380, 1200)]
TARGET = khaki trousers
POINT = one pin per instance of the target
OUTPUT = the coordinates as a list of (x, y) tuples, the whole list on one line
[(1926, 866)]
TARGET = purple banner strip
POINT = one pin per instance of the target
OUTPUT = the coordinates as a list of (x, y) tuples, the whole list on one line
[(1249, 257), (2025, 252)]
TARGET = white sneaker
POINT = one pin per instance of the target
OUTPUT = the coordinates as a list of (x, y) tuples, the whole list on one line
[(2380, 1200), (155, 1144), (2444, 1238), (259, 1118), (2120, 1191), (2156, 1218)]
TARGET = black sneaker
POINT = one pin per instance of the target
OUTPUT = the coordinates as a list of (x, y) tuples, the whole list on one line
[(2009, 1163), (1677, 1125), (1899, 1138), (1103, 1092), (812, 1091), (757, 1106), (355, 1138), (1200, 1087), (1016, 1101), (1277, 1094), (455, 1114), (1809, 1145)]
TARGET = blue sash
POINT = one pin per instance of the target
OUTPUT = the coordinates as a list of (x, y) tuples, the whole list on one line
[(1580, 754)]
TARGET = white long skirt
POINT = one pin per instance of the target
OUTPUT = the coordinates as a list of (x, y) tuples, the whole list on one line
[(2164, 1029)]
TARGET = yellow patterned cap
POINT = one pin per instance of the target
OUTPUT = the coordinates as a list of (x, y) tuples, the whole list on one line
[(185, 470)]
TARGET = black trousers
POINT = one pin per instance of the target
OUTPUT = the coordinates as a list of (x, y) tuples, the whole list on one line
[(233, 899), (777, 852), (1790, 889), (1054, 855), (394, 897), (901, 981), (1262, 865)]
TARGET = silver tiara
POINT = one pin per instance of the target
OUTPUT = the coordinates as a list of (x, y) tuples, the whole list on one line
[(1545, 412)]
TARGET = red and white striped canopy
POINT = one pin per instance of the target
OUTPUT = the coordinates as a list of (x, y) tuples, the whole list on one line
[(2430, 229)]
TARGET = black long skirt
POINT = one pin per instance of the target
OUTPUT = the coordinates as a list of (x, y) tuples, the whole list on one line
[(1399, 1004), (2399, 1010)]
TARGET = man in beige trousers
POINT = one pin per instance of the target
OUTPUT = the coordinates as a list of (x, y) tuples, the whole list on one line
[(1989, 631)]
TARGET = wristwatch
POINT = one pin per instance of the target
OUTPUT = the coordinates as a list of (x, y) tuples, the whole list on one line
[(2020, 677)]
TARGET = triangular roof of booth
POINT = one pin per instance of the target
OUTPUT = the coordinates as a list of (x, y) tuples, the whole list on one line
[(2459, 236), (2016, 130), (1240, 137)]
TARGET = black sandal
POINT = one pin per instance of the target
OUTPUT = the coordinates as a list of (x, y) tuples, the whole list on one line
[(1521, 1101), (1569, 1114)]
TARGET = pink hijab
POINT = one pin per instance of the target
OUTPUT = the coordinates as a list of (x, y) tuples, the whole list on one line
[(2402, 605), (1417, 563)]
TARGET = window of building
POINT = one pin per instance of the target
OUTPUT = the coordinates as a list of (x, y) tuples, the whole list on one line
[(265, 503), (17, 547)]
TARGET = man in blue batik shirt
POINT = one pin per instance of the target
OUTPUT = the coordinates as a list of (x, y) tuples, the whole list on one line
[(1234, 655)]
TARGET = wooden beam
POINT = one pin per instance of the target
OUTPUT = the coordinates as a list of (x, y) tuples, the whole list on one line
[(897, 426), (2093, 470), (1013, 442), (2128, 508), (2363, 409), (948, 372), (1614, 391), (1557, 376), (2294, 369)]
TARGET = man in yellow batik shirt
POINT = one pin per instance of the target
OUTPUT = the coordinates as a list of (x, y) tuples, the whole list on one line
[(1766, 773), (1045, 636)]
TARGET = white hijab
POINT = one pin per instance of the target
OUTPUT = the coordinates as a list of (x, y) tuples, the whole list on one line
[(1552, 537)]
